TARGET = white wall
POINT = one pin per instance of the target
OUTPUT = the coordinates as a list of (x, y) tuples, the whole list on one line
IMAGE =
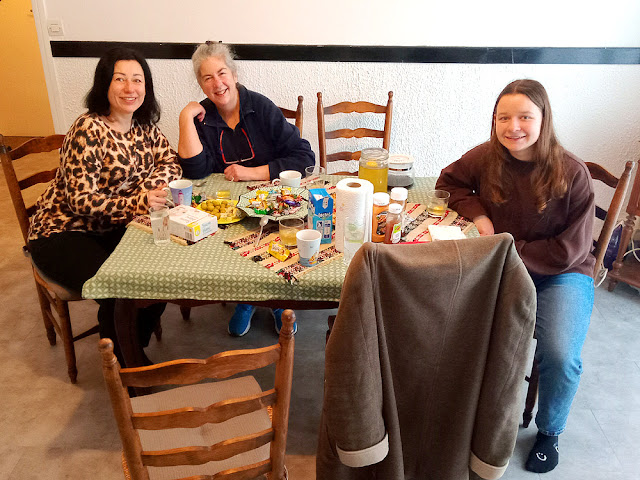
[(440, 110), (566, 23)]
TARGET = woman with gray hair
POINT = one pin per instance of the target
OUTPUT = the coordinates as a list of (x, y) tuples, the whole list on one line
[(234, 130), (239, 133)]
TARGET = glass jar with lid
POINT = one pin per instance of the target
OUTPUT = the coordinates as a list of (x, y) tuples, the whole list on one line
[(401, 171), (374, 166)]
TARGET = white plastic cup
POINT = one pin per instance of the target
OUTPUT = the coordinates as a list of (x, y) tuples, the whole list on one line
[(289, 178), (181, 191), (308, 246), (160, 225)]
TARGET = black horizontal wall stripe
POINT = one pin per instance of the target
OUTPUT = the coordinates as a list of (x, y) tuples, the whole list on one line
[(346, 53)]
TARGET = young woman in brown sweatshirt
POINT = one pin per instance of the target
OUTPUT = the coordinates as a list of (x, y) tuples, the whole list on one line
[(523, 182)]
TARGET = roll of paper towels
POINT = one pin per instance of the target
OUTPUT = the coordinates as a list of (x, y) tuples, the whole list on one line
[(354, 204)]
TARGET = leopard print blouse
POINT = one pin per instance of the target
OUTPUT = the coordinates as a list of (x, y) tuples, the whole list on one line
[(103, 178)]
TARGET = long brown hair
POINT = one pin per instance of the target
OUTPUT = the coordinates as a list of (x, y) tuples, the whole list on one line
[(548, 179)]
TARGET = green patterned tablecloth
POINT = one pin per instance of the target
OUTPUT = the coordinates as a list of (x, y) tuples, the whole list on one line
[(209, 269)]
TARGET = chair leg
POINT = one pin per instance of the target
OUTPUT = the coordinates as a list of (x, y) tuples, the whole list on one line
[(45, 308), (62, 307), (186, 313), (330, 322), (612, 284), (532, 395), (158, 330)]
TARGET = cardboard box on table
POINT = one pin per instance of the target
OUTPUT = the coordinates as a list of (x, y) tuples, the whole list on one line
[(190, 223), (321, 213)]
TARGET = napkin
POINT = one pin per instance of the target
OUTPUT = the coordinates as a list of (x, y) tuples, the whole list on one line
[(445, 232)]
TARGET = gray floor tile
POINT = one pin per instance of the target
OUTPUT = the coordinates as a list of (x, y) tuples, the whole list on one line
[(613, 386), (622, 430)]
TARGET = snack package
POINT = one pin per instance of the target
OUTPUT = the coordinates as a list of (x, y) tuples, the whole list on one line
[(278, 251)]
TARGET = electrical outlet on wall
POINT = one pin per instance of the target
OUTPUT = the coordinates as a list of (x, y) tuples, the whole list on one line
[(54, 27)]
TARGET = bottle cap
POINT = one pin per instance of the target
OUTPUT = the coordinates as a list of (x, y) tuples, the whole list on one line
[(395, 208), (399, 193), (381, 198)]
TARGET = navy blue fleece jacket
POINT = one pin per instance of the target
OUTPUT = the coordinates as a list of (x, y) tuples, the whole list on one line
[(275, 141)]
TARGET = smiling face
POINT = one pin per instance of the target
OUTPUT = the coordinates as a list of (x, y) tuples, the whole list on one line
[(517, 122), (127, 89), (219, 83)]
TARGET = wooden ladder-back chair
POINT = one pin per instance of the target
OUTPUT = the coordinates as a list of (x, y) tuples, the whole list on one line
[(627, 272), (351, 107), (296, 115), (610, 217), (50, 294), (213, 430)]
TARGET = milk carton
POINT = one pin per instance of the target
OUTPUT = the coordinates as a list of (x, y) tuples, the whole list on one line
[(321, 213), (190, 223)]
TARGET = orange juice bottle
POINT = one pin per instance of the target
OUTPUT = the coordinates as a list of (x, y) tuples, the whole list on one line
[(380, 210)]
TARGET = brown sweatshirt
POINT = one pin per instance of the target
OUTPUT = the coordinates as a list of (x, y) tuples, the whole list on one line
[(557, 240)]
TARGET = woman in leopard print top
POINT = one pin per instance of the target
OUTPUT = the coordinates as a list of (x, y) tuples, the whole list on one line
[(104, 177), (113, 164)]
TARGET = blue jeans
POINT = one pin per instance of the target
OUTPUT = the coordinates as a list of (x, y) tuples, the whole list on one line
[(564, 310)]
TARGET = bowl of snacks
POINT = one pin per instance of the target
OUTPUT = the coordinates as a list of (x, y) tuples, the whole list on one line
[(276, 203)]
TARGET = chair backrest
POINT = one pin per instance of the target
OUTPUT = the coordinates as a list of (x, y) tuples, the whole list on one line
[(296, 114), (351, 107), (135, 419), (610, 216), (35, 145)]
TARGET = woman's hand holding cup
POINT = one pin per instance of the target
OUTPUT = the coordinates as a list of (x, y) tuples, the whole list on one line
[(157, 197)]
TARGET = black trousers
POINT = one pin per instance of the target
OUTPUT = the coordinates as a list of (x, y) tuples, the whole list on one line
[(72, 258)]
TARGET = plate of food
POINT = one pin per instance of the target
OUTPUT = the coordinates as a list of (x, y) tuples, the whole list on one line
[(275, 203), (223, 209)]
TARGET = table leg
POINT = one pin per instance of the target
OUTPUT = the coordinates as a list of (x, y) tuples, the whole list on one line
[(126, 326)]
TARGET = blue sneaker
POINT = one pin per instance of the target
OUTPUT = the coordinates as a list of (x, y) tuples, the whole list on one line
[(277, 317), (240, 322)]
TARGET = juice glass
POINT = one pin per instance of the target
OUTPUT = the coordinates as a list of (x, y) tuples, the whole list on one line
[(437, 202), (288, 228)]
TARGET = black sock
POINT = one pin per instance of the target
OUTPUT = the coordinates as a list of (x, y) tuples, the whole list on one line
[(544, 454)]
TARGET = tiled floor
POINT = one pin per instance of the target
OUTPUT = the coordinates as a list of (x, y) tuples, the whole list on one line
[(54, 430)]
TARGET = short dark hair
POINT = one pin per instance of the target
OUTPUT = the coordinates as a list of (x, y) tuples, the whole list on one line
[(97, 100)]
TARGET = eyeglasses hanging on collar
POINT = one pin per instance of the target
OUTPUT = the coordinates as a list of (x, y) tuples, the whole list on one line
[(237, 146)]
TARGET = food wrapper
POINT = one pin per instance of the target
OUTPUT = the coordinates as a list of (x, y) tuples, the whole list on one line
[(278, 251)]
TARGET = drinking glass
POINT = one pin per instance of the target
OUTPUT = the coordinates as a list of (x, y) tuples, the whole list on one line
[(353, 237), (437, 202), (160, 225), (288, 228), (315, 176)]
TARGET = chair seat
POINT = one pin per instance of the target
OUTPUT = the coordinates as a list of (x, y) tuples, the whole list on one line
[(62, 292), (202, 395)]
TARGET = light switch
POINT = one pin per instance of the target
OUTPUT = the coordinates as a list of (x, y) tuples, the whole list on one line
[(54, 27)]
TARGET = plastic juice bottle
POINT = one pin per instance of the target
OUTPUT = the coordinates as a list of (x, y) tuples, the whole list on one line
[(399, 195), (394, 224), (380, 210)]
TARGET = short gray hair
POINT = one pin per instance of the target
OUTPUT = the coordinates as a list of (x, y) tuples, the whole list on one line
[(213, 49)]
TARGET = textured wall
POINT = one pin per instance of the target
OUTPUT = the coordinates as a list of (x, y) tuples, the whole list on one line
[(440, 110)]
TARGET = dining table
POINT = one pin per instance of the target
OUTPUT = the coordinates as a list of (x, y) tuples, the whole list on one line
[(139, 273)]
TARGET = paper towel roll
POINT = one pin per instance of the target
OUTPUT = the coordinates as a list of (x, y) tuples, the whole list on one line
[(354, 199)]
